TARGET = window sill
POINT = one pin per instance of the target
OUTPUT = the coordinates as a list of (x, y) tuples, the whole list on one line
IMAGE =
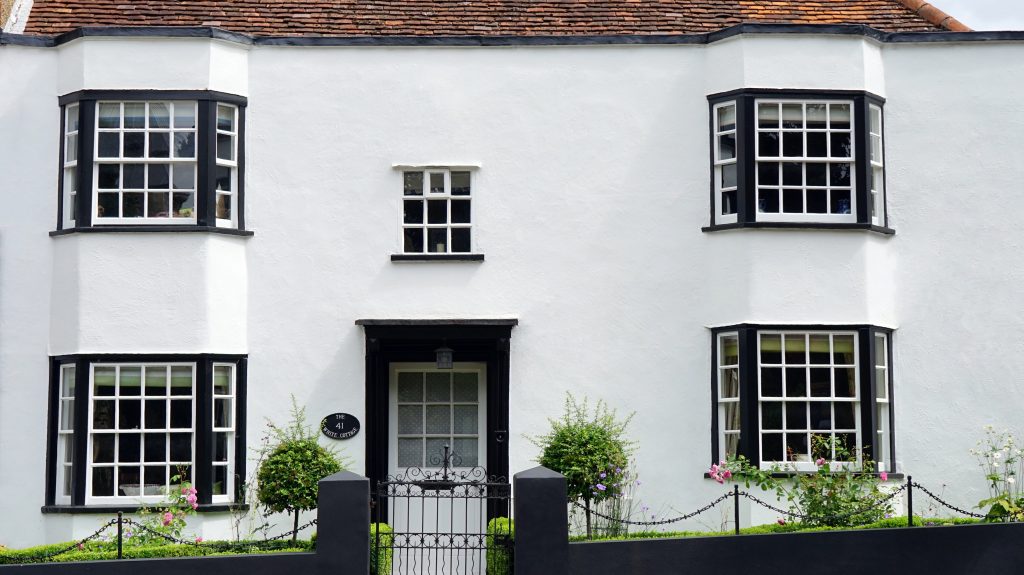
[(130, 508), (437, 257), (151, 229), (800, 226)]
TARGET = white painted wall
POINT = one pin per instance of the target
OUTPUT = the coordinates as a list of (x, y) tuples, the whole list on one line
[(589, 199)]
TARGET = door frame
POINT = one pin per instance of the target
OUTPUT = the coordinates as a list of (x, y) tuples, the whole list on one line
[(485, 341)]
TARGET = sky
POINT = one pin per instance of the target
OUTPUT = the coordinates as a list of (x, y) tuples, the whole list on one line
[(985, 14)]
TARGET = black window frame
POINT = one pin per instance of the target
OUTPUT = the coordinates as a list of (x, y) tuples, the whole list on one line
[(746, 126), (203, 428), (748, 397), (206, 160)]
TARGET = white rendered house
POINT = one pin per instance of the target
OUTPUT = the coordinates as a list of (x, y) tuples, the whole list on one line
[(747, 235)]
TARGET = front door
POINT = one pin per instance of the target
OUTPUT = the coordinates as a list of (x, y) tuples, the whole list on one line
[(431, 409), (437, 441)]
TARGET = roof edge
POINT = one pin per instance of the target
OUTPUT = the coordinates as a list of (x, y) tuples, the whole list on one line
[(496, 41), (935, 16)]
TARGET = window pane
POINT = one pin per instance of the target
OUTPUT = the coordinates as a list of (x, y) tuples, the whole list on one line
[(184, 115), (225, 147), (129, 414), (729, 176), (796, 348), (731, 419), (109, 176), (102, 481), (465, 419), (460, 240), (134, 176), (839, 114), (435, 451), (437, 182), (156, 414), (768, 116), (460, 183), (796, 415), (159, 176), (460, 211), (841, 202), (771, 347), (103, 448), (155, 447), (727, 118), (413, 183), (181, 414), (128, 449), (792, 116), (159, 115), (821, 415), (792, 144), (821, 382), (792, 174), (222, 413), (410, 419), (220, 479), (134, 115), (184, 145), (796, 382), (438, 419), (160, 144), (225, 118), (792, 201), (134, 144), (158, 205), (104, 380), (410, 452), (109, 115), (222, 379), (465, 386), (768, 145), (771, 415), (438, 386), (181, 447), (796, 447), (413, 212), (771, 381), (436, 240), (842, 146), (727, 147), (730, 383), (181, 380), (108, 205), (768, 173), (771, 447), (223, 207), (413, 240), (185, 176), (817, 117), (410, 386), (437, 211), (468, 451)]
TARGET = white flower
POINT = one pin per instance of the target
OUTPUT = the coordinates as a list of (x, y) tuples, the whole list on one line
[(996, 455), (1011, 480)]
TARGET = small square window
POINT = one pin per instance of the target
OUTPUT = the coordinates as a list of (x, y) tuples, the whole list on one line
[(437, 211)]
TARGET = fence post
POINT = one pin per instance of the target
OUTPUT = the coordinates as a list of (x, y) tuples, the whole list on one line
[(910, 501), (736, 506), (343, 523), (120, 520), (542, 517)]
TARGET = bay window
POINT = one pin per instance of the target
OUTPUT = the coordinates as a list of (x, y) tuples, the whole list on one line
[(797, 159), (127, 430), (776, 389), (151, 160)]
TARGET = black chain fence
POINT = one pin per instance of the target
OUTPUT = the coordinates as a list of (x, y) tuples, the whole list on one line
[(736, 494)]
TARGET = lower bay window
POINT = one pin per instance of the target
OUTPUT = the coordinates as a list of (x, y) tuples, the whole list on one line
[(126, 430), (776, 389)]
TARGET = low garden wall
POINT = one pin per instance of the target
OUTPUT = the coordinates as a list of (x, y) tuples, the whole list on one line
[(343, 545), (981, 548)]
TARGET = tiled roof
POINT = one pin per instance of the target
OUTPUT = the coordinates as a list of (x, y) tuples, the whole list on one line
[(481, 17)]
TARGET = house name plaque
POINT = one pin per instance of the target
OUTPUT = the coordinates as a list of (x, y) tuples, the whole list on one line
[(340, 426)]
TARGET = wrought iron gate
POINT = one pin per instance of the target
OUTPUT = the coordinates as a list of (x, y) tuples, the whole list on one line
[(445, 521)]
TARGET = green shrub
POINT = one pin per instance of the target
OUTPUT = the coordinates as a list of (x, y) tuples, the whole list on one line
[(288, 479), (590, 450), (380, 562), (107, 550), (501, 532)]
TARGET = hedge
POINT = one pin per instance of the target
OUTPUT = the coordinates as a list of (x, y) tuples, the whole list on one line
[(382, 557), (500, 532), (890, 523)]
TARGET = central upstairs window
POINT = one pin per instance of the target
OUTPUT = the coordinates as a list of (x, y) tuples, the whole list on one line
[(436, 215), (796, 159), (151, 158)]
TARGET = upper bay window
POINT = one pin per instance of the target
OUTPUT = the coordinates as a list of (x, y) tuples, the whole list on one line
[(135, 160), (776, 389), (127, 430), (785, 159)]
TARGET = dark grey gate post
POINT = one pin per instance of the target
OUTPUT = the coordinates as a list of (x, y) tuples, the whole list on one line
[(343, 523), (542, 519)]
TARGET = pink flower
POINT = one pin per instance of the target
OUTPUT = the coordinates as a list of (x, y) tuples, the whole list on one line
[(184, 490), (168, 517), (718, 478), (199, 539), (191, 498), (781, 521), (883, 476), (81, 545), (195, 506), (192, 491), (714, 469), (727, 474), (820, 461)]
